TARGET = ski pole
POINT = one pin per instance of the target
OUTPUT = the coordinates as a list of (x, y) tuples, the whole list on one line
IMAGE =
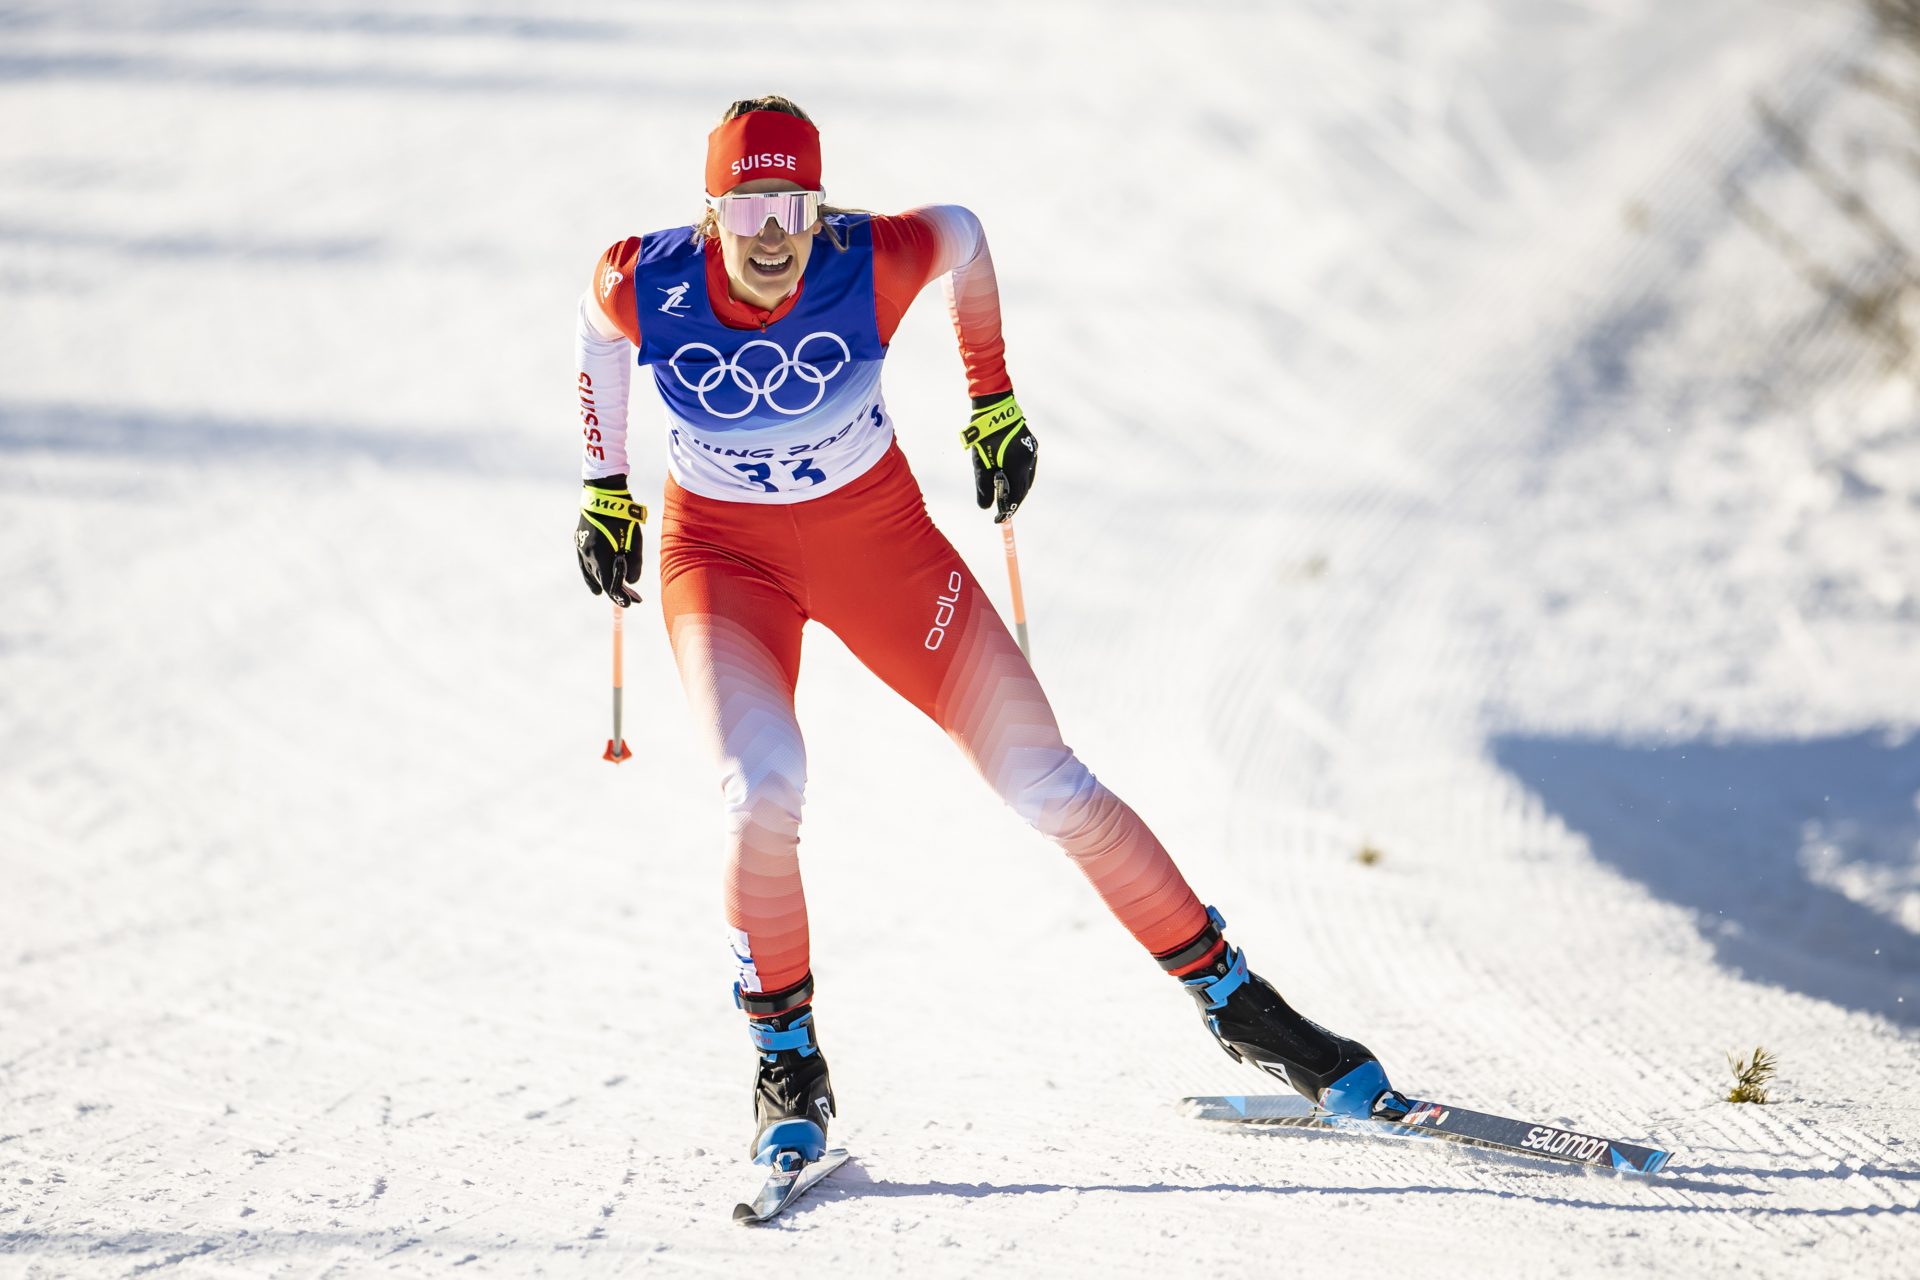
[(617, 745), (1013, 576)]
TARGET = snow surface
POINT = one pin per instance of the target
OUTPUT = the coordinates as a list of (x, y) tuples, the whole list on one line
[(1479, 435)]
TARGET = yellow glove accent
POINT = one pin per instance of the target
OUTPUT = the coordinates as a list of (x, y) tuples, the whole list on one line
[(992, 429), (602, 507)]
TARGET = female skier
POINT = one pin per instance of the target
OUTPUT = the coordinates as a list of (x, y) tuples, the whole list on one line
[(765, 326)]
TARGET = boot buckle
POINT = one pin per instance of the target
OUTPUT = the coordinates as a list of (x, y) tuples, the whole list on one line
[(1215, 988)]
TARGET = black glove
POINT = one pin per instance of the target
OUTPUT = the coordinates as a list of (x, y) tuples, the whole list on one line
[(608, 538), (1004, 451)]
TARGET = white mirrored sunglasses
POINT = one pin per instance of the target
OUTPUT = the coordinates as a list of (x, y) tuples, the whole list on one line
[(744, 215)]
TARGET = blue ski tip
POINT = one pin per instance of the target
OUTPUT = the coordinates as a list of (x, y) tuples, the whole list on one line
[(1654, 1163), (1353, 1094), (803, 1137)]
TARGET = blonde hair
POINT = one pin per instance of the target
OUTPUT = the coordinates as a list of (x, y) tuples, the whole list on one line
[(708, 228)]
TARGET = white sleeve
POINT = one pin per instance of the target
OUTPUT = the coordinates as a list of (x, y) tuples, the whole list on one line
[(604, 364)]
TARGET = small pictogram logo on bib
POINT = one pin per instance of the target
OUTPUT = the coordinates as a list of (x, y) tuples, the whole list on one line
[(676, 303)]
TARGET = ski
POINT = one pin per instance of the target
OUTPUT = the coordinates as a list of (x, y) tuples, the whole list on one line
[(1437, 1120), (787, 1181)]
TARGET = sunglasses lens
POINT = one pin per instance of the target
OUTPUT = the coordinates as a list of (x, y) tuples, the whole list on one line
[(793, 211), (749, 214)]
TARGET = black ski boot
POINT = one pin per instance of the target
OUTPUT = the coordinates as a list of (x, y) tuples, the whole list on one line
[(1254, 1025), (792, 1097)]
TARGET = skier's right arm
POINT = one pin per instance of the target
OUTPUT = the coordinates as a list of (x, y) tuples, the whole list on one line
[(607, 537), (607, 327)]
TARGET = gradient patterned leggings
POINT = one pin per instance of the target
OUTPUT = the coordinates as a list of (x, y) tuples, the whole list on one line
[(739, 580)]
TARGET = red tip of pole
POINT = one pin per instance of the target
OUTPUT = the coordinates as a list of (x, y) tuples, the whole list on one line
[(617, 751)]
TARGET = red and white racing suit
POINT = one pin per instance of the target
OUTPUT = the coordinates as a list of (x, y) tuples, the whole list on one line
[(746, 561)]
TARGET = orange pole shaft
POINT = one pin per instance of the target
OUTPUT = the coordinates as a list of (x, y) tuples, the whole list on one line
[(617, 745), (1013, 577), (619, 616)]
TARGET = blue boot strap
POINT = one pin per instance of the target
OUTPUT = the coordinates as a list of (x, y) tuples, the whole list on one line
[(798, 1036), (1354, 1093), (804, 1136), (1217, 989)]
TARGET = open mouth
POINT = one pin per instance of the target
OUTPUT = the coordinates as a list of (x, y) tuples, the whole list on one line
[(770, 266)]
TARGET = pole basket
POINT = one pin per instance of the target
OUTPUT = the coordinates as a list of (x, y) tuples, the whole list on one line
[(617, 750)]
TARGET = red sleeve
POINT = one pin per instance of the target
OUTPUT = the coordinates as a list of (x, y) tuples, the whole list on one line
[(921, 245), (613, 287)]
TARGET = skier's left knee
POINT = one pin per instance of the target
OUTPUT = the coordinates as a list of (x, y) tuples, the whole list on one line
[(1057, 798)]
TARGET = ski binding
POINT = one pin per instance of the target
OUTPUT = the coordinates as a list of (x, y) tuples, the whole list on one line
[(789, 1178)]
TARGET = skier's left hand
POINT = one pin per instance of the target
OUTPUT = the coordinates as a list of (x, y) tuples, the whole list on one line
[(1003, 449)]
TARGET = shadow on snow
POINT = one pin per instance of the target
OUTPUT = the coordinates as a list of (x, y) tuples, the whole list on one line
[(1798, 859)]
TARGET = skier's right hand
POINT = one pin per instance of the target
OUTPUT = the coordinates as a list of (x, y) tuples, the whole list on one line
[(608, 538)]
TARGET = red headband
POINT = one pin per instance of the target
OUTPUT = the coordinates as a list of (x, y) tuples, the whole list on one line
[(762, 144)]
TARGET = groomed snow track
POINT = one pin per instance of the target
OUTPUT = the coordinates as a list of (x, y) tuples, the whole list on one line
[(1536, 503)]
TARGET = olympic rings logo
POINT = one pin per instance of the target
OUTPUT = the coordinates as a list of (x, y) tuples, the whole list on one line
[(715, 371)]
